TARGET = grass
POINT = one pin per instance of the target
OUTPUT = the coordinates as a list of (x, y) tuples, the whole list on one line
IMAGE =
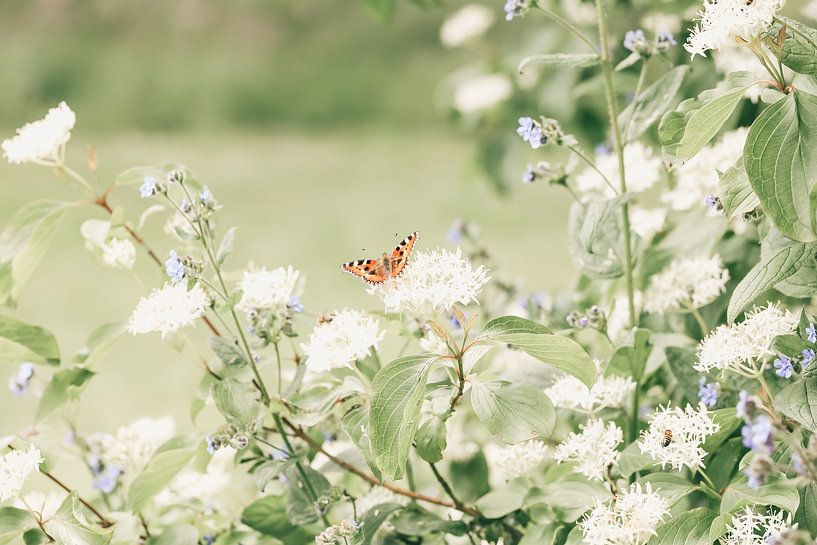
[(309, 200)]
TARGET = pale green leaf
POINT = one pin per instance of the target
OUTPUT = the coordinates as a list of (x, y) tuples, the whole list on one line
[(778, 491), (736, 193), (798, 401), (651, 103), (64, 385), (160, 471), (560, 60), (431, 440), (26, 343), (688, 528), (513, 413)]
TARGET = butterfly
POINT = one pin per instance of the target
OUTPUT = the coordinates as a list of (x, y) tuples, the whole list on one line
[(377, 271)]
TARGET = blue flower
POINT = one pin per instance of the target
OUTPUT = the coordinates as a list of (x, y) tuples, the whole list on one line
[(712, 202), (530, 175), (212, 445), (20, 382), (148, 187), (602, 149), (811, 333), (536, 299), (783, 366), (294, 304), (747, 405), (758, 435), (106, 481), (279, 454), (205, 196), (708, 393), (634, 38), (808, 357), (530, 132), (455, 323), (666, 38), (174, 267), (208, 540)]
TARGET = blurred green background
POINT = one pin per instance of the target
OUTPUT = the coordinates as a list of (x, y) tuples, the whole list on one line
[(314, 124)]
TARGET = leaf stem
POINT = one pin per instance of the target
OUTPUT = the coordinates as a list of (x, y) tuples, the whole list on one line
[(446, 487)]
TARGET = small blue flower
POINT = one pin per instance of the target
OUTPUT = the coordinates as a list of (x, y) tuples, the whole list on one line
[(106, 481), (530, 132), (455, 323), (602, 149), (174, 267), (279, 454), (148, 187), (747, 405), (666, 38), (205, 196), (294, 304), (455, 232), (758, 435), (808, 357), (712, 202), (212, 446), (633, 39), (708, 393), (784, 367), (95, 463), (514, 8), (208, 540), (584, 321), (21, 380), (530, 175), (811, 333)]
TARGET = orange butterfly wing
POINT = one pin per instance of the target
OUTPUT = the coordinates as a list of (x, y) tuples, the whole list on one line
[(400, 255), (367, 269)]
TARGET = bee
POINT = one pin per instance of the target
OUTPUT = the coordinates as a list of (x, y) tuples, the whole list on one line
[(666, 439), (748, 2), (325, 319)]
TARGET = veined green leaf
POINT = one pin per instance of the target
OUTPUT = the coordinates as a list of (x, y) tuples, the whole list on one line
[(511, 324), (431, 440), (778, 491), (21, 342), (798, 401), (161, 469), (799, 47), (64, 386), (513, 413), (735, 191), (268, 516), (688, 528), (560, 60), (651, 104)]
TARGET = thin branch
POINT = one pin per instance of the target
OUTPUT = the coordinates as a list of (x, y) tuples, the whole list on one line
[(105, 523), (447, 487)]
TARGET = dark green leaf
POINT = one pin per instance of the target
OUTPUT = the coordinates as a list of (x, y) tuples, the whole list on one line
[(431, 440), (268, 516), (798, 401)]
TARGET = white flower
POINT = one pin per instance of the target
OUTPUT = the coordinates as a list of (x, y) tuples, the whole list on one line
[(168, 309), (687, 284), (465, 24), (740, 344), (750, 528), (689, 428), (118, 253), (641, 165), (481, 92), (810, 10), (647, 222), (593, 450), (15, 468), (132, 446), (630, 520), (349, 336), (510, 462), (378, 495), (206, 487), (662, 23), (618, 317), (723, 22), (337, 533), (607, 393), (268, 290), (45, 506), (42, 141), (434, 281), (698, 177)]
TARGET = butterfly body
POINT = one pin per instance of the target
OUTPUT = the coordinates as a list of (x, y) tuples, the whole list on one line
[(390, 265)]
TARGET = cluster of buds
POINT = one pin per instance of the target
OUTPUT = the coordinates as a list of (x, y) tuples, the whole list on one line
[(269, 326), (543, 131), (517, 8), (106, 477), (637, 43), (179, 268), (759, 469), (232, 436), (593, 317), (337, 532), (544, 171)]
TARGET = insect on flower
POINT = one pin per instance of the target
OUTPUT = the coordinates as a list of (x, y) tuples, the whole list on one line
[(326, 318), (391, 265), (667, 439)]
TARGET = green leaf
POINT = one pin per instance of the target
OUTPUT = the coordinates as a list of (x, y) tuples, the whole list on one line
[(374, 518), (728, 422), (687, 129), (31, 343), (651, 103), (469, 478), (571, 496), (227, 245), (13, 519), (69, 524), (34, 536), (765, 275), (631, 361), (807, 511), (513, 413), (597, 237), (397, 395), (268, 516), (64, 385), (632, 460), (779, 492), (735, 191), (688, 528), (381, 9), (356, 425), (799, 47), (431, 440), (506, 325), (160, 471), (502, 501), (227, 351), (238, 402), (23, 243), (723, 463), (416, 521), (780, 156), (100, 341), (560, 60), (671, 486), (798, 401), (301, 509)]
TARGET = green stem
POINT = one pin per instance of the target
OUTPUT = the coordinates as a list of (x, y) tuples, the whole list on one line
[(278, 364), (612, 110), (701, 322), (77, 177), (592, 165), (570, 27), (707, 480), (446, 487)]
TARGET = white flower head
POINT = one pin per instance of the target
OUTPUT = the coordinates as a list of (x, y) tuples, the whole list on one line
[(42, 141), (642, 166), (482, 92), (724, 22), (730, 346), (606, 393), (630, 520), (118, 253), (168, 309), (206, 487), (810, 10), (687, 284), (467, 23), (750, 528), (675, 436), (378, 495), (15, 468), (349, 336), (132, 446), (593, 450), (699, 176), (645, 222), (509, 462), (434, 281), (269, 290)]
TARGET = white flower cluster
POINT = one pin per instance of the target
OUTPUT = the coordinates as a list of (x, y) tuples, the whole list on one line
[(647, 222), (337, 533), (168, 309), (642, 166), (349, 336), (481, 92), (269, 291), (607, 393), (42, 141), (750, 528), (118, 253), (593, 450), (675, 436), (132, 446), (466, 24), (630, 520), (434, 281), (207, 487), (730, 346), (687, 284), (378, 495), (510, 462), (698, 177), (15, 468), (722, 22)]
